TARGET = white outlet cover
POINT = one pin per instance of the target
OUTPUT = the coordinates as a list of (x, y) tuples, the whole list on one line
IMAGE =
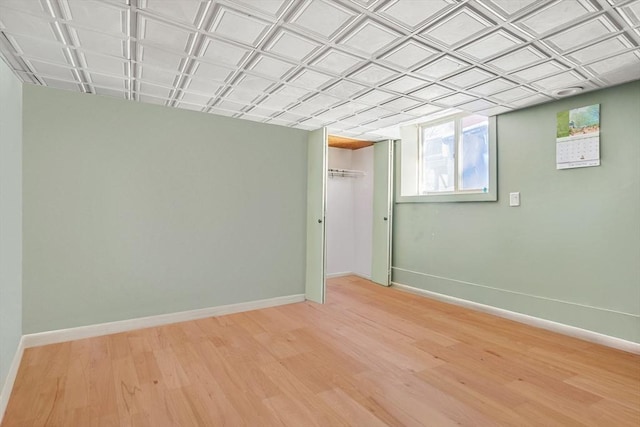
[(514, 199)]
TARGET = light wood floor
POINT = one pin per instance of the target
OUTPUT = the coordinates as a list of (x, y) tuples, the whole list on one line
[(371, 356)]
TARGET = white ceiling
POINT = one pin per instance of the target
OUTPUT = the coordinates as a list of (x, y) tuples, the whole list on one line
[(355, 66)]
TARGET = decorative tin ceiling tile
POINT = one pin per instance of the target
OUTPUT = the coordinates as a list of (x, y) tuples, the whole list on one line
[(336, 62), (324, 18), (372, 74), (518, 59), (414, 13), (491, 45), (409, 54), (441, 67), (369, 37), (238, 27), (556, 15), (292, 46), (461, 25)]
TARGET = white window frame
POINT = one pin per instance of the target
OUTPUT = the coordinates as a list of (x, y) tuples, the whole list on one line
[(411, 140)]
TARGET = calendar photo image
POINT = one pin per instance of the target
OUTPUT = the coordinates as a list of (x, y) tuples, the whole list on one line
[(578, 137)]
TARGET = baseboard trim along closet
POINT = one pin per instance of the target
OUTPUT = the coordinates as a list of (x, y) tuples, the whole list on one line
[(347, 273), (549, 325), (342, 274), (62, 335), (5, 392)]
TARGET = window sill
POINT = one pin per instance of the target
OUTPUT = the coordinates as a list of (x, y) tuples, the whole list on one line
[(491, 196)]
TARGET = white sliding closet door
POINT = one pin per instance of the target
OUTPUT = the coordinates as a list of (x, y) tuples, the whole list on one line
[(382, 211), (316, 196)]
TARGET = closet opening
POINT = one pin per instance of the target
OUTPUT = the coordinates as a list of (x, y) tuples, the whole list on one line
[(349, 208)]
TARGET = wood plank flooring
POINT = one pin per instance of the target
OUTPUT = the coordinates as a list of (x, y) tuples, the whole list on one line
[(371, 356)]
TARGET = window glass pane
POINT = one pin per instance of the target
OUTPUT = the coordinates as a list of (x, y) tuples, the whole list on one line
[(474, 154), (438, 160)]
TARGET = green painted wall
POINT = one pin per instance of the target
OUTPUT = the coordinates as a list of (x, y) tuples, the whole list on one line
[(10, 218), (134, 210), (570, 253)]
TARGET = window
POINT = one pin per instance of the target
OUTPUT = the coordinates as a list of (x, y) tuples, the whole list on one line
[(452, 159)]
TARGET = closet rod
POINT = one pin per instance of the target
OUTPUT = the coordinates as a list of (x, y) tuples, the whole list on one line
[(346, 172)]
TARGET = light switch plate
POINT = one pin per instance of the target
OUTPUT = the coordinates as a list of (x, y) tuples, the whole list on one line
[(514, 199)]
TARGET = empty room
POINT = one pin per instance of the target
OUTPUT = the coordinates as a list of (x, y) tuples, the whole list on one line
[(319, 212)]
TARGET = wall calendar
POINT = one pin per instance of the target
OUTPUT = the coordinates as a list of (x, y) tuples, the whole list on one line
[(578, 138)]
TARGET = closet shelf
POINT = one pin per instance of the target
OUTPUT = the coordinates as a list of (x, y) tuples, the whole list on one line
[(346, 173)]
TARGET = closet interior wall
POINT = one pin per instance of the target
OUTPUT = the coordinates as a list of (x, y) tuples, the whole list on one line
[(349, 216)]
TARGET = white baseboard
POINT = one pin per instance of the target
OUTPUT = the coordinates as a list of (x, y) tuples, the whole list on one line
[(347, 273), (342, 274), (5, 392), (62, 335), (549, 325)]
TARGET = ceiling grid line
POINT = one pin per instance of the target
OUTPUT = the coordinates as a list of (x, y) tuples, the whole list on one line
[(203, 17)]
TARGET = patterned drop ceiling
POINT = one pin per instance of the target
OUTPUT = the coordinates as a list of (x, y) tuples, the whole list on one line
[(358, 67)]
